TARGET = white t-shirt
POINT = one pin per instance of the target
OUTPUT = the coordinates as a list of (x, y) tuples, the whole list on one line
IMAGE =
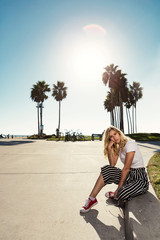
[(131, 146)]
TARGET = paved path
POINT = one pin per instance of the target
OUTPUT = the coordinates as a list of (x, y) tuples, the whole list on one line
[(142, 214), (44, 184)]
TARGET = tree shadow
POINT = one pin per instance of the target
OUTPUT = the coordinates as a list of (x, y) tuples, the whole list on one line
[(104, 231), (157, 143), (12, 143), (142, 217), (154, 143)]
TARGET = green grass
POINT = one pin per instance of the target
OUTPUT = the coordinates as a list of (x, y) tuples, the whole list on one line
[(135, 136), (53, 138), (35, 136), (145, 136), (154, 172)]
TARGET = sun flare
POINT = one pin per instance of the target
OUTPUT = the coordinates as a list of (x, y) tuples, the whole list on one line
[(88, 58), (94, 29)]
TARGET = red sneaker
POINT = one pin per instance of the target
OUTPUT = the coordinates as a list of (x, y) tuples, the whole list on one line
[(110, 195), (88, 205)]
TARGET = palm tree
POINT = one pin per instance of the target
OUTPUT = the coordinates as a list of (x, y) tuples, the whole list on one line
[(111, 104), (38, 94), (118, 84), (136, 92), (108, 75), (109, 107), (107, 79), (128, 104), (59, 93)]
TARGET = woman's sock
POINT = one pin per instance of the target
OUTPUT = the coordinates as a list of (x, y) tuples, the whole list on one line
[(92, 198)]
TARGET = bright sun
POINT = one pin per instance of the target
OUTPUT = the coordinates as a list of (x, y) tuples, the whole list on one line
[(88, 57), (88, 54)]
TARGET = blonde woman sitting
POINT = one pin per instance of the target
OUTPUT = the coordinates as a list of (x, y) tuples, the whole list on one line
[(132, 180)]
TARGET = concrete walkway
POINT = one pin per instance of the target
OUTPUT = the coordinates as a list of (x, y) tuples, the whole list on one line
[(142, 214), (44, 184)]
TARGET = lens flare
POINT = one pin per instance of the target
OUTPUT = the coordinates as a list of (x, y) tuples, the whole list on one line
[(94, 29)]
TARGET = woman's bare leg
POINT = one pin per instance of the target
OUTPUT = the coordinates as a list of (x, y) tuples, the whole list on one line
[(98, 186)]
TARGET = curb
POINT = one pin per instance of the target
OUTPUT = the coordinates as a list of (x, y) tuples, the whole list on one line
[(142, 218)]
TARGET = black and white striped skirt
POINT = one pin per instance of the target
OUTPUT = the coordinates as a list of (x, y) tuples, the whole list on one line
[(135, 184)]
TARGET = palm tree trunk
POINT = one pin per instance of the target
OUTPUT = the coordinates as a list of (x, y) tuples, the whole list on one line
[(127, 121), (121, 112), (38, 116), (119, 117), (130, 120), (41, 128), (135, 118), (114, 113), (112, 117), (112, 106), (115, 117), (59, 115)]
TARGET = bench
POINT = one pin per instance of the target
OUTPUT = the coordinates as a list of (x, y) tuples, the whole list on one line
[(96, 135)]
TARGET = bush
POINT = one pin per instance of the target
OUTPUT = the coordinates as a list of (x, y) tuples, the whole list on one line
[(145, 136), (44, 136), (71, 136)]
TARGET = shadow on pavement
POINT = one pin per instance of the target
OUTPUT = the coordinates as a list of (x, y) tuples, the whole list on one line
[(12, 143), (104, 231), (153, 143), (142, 217)]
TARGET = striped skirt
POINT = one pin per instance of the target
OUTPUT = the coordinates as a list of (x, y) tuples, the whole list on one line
[(135, 184)]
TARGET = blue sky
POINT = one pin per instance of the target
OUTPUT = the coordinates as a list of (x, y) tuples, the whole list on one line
[(45, 40)]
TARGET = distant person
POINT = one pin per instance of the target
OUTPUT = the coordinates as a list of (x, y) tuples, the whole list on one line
[(132, 180), (66, 137), (57, 133), (92, 137), (8, 136), (74, 137)]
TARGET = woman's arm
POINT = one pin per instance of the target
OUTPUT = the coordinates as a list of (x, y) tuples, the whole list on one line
[(125, 170), (111, 156)]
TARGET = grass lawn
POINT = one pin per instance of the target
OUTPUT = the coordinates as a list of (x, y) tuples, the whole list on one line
[(154, 172), (62, 138), (135, 136), (145, 136)]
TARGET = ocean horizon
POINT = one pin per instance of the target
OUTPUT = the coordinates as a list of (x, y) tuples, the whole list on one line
[(13, 135)]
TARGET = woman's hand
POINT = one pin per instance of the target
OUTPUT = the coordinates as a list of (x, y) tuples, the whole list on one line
[(111, 143), (115, 193)]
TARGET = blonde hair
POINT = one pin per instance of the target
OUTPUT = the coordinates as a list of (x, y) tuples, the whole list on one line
[(115, 148)]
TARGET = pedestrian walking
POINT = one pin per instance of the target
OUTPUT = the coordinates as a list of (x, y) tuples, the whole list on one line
[(132, 180)]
